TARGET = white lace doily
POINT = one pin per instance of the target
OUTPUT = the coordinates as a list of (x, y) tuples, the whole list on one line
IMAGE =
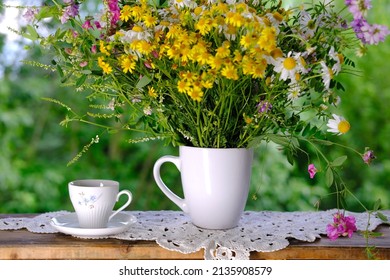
[(264, 231)]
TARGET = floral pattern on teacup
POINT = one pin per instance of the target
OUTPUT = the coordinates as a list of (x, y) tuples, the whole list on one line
[(88, 200)]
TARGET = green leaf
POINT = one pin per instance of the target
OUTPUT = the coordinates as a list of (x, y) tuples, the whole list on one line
[(377, 204), (278, 139), (87, 72), (339, 161), (256, 141), (290, 157), (143, 82), (306, 130), (31, 33), (113, 131), (59, 70), (382, 217), (46, 12), (81, 80), (323, 142), (329, 177)]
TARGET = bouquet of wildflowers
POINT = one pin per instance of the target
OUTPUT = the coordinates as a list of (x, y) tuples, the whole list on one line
[(215, 74), (207, 73)]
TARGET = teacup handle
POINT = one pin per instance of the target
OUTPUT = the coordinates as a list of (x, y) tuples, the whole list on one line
[(129, 195), (157, 177)]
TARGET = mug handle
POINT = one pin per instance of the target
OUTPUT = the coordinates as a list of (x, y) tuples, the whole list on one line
[(129, 198), (157, 177)]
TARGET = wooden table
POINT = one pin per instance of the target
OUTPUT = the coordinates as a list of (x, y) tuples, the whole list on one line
[(22, 244)]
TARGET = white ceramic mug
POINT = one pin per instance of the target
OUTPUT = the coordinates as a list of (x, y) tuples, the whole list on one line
[(94, 201), (215, 184)]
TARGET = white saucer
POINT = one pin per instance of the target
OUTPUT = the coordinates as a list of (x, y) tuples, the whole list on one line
[(69, 224)]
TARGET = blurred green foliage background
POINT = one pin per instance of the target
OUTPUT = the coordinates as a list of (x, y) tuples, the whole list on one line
[(35, 149)]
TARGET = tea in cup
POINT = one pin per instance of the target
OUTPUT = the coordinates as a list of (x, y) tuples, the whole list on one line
[(94, 201)]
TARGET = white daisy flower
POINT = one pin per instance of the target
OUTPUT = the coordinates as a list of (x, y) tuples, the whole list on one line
[(184, 3), (327, 74), (338, 125), (339, 58), (294, 91), (308, 25), (137, 33), (288, 66)]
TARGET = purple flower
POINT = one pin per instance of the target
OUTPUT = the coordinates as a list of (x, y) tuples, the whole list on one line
[(370, 34), (368, 156), (375, 33), (341, 226), (312, 170), (357, 25), (264, 107), (70, 11), (29, 15), (358, 8)]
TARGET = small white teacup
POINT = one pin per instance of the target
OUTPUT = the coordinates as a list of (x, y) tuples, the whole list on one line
[(94, 201)]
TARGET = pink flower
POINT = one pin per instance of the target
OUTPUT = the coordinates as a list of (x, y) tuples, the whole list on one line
[(312, 170), (368, 156), (87, 24), (114, 10), (148, 65), (341, 226)]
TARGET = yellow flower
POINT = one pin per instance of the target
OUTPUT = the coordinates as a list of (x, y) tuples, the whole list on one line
[(152, 92), (247, 65), (149, 20), (196, 93), (247, 40), (258, 70), (223, 51), (183, 86), (107, 69), (174, 31), (127, 63), (267, 39), (104, 49), (221, 8), (237, 56), (215, 62), (185, 38), (235, 19), (137, 12), (144, 47), (247, 119), (230, 72), (173, 53), (207, 81), (125, 13), (184, 53), (204, 26), (189, 76)]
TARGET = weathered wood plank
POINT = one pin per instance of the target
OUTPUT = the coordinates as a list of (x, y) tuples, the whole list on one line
[(22, 244)]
